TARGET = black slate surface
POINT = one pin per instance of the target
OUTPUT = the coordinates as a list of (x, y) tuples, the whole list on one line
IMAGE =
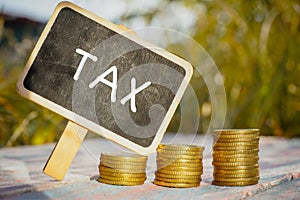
[(51, 76)]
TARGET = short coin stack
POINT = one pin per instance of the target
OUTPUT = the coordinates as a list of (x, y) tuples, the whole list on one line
[(235, 157), (122, 169), (179, 166)]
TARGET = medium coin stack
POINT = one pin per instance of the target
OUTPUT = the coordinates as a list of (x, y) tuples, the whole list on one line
[(235, 157), (122, 169), (179, 166)]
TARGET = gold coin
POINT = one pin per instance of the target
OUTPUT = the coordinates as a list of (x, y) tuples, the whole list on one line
[(237, 155), (240, 183), (235, 144), (188, 166), (235, 148), (217, 176), (179, 164), (164, 171), (124, 157), (176, 165), (123, 166), (222, 159), (190, 169), (235, 137), (226, 140), (117, 178), (123, 163), (256, 166), (238, 171), (119, 174), (125, 183), (236, 179), (178, 180), (237, 151), (236, 131), (174, 156), (233, 164), (162, 175), (179, 160), (182, 160), (123, 170), (184, 147), (175, 185), (179, 152)]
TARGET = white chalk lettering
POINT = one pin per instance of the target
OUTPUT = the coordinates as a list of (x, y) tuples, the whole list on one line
[(112, 84), (133, 92), (82, 62)]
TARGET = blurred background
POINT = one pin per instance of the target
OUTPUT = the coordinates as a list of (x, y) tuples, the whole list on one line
[(255, 45)]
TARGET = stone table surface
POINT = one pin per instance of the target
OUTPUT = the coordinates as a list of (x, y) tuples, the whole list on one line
[(21, 175)]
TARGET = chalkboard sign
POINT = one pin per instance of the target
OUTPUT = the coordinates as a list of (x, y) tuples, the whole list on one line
[(105, 79)]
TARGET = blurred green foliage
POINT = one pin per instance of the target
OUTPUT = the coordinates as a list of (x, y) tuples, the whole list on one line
[(21, 121), (255, 45)]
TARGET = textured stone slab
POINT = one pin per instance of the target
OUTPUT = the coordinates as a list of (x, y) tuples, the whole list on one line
[(21, 174)]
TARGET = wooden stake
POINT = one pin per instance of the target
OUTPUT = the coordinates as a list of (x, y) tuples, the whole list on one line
[(65, 151), (66, 148)]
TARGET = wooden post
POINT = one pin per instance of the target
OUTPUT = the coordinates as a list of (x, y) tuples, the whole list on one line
[(66, 148), (65, 151)]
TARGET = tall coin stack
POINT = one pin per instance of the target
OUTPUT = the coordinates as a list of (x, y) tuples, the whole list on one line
[(179, 166), (122, 169), (235, 157)]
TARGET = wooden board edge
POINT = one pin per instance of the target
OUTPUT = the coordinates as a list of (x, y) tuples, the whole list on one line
[(128, 34), (91, 125), (20, 86)]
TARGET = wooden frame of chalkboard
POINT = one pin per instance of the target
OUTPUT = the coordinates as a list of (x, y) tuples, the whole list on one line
[(29, 87)]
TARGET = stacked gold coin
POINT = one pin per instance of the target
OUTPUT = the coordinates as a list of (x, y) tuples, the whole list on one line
[(179, 166), (122, 169), (235, 157)]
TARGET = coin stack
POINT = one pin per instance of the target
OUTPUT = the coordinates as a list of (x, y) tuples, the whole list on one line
[(178, 166), (235, 157), (122, 169)]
